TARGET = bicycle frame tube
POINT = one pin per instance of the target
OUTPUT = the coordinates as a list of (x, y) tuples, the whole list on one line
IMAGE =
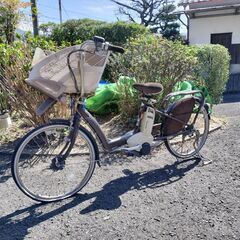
[(72, 136), (92, 122)]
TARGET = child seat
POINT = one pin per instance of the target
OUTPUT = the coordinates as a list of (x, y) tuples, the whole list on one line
[(51, 75), (181, 110)]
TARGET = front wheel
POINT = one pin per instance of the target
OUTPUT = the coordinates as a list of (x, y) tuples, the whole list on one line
[(39, 169), (188, 144)]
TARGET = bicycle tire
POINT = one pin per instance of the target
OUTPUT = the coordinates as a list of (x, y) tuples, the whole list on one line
[(70, 163)]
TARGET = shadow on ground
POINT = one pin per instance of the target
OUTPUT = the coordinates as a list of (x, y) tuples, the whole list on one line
[(5, 166), (108, 198), (6, 151)]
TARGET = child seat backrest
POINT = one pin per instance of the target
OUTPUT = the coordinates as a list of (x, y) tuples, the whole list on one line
[(181, 110)]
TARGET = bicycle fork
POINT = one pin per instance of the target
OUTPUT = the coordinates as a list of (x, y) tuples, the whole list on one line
[(58, 162)]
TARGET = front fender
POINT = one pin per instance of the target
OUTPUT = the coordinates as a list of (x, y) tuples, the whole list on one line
[(59, 120)]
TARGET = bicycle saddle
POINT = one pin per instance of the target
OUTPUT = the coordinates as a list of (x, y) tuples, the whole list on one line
[(149, 88)]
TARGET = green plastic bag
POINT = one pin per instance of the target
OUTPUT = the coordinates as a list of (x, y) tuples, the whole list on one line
[(105, 101), (189, 86)]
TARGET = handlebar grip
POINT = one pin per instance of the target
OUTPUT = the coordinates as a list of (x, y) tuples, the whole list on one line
[(98, 39), (116, 49)]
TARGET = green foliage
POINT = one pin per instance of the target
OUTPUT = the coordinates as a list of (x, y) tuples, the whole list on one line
[(41, 42), (9, 18), (9, 52), (148, 58), (212, 70), (119, 32), (75, 31), (10, 13), (167, 23), (153, 59)]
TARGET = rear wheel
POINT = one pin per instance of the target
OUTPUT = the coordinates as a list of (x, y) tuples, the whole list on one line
[(40, 170), (190, 142)]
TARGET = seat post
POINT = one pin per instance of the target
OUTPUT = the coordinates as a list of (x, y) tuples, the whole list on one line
[(148, 100)]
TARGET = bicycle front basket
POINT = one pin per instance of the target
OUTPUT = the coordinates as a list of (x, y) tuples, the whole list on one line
[(92, 65), (181, 110), (52, 76)]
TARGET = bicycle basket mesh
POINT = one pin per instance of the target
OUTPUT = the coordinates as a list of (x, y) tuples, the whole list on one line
[(52, 76), (181, 110)]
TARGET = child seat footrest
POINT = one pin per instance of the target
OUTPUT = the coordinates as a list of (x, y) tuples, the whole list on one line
[(44, 106)]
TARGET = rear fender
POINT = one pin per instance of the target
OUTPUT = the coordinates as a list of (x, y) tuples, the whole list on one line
[(207, 109)]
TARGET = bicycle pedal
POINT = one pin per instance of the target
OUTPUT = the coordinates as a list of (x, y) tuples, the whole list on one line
[(133, 154), (146, 149)]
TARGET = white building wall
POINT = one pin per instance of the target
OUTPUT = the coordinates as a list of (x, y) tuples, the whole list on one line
[(202, 28)]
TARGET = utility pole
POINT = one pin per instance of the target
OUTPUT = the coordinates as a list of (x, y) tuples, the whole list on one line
[(60, 10), (34, 17), (185, 4)]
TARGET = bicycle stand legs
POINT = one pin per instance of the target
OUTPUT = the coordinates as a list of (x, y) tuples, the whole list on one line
[(204, 161)]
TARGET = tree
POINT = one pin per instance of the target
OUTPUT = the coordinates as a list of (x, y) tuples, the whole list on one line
[(169, 27), (9, 18), (155, 14)]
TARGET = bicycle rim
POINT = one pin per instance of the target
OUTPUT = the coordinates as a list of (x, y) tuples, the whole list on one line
[(41, 174)]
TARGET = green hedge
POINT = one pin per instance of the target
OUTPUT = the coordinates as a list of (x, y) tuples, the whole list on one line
[(212, 69), (75, 31)]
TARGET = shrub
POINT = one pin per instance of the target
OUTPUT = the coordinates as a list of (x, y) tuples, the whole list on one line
[(152, 59), (212, 69), (15, 63), (120, 32), (73, 31)]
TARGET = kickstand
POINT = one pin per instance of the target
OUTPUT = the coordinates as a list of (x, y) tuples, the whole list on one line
[(204, 161)]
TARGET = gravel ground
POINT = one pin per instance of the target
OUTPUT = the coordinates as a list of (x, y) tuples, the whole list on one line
[(140, 198)]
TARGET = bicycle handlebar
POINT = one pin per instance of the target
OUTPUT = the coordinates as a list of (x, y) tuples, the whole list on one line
[(116, 49), (100, 40)]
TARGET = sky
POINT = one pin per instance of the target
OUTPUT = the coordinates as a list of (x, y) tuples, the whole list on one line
[(48, 10)]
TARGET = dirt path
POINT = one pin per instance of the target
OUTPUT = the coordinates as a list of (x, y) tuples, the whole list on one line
[(145, 198)]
